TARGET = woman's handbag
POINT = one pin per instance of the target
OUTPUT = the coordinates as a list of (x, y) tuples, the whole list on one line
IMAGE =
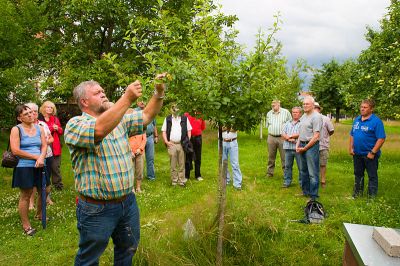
[(9, 160)]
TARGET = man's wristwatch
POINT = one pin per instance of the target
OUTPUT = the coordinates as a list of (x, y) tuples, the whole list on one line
[(158, 95)]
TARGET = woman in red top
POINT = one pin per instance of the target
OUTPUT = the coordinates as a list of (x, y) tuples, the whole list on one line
[(49, 112)]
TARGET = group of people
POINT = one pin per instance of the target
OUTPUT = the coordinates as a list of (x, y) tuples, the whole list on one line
[(182, 136), (305, 138), (37, 144), (107, 143)]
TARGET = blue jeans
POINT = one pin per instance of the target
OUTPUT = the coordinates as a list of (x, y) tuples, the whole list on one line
[(98, 222), (309, 170), (231, 149), (149, 151), (362, 163), (289, 159)]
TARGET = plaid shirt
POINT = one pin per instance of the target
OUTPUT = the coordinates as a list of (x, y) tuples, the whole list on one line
[(102, 170), (290, 128)]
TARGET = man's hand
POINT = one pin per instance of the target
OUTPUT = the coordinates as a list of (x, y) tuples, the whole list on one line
[(300, 150), (168, 144), (160, 85), (351, 151), (134, 90), (370, 155), (156, 140)]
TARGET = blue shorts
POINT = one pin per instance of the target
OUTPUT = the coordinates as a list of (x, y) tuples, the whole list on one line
[(28, 177)]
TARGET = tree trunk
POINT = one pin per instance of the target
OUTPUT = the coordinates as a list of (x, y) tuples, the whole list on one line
[(223, 165), (337, 114)]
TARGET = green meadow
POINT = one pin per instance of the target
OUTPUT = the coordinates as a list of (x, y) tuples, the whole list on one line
[(259, 221)]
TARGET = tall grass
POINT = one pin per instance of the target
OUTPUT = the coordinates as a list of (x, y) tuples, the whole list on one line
[(259, 219)]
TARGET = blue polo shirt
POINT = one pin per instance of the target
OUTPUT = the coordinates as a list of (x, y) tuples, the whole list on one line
[(366, 133)]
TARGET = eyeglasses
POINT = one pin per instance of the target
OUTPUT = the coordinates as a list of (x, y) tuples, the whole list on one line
[(26, 113)]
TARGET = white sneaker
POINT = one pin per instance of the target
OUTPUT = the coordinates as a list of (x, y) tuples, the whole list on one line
[(199, 178)]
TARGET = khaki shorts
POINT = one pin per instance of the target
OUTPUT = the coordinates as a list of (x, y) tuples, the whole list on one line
[(323, 157)]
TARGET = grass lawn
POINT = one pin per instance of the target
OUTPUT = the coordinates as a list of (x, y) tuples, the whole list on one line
[(259, 228)]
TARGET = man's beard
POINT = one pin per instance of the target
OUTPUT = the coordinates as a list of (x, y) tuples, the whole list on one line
[(104, 107)]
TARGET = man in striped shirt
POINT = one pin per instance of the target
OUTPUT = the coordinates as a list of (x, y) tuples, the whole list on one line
[(290, 133), (103, 169), (276, 118)]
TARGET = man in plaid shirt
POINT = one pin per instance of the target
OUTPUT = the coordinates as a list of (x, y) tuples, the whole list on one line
[(290, 133), (103, 169)]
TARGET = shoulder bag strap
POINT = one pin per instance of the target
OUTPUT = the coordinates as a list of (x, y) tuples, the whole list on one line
[(8, 146)]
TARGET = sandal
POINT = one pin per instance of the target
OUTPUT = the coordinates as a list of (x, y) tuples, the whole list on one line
[(29, 231)]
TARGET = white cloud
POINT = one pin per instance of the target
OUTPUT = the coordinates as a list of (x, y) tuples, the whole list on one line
[(316, 30)]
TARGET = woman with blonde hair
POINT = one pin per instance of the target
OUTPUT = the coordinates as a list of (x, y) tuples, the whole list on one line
[(49, 112), (28, 142)]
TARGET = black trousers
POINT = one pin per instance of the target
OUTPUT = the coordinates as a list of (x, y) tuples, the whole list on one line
[(362, 163), (195, 156)]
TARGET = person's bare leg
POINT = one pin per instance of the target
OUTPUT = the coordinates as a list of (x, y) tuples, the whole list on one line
[(138, 186), (32, 199), (322, 170), (48, 199), (23, 207)]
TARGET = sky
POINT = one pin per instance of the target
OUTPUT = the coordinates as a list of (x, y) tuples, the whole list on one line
[(315, 30)]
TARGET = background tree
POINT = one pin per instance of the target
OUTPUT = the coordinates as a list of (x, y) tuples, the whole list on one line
[(19, 23), (349, 76), (379, 64), (373, 75), (327, 87), (210, 72), (79, 34)]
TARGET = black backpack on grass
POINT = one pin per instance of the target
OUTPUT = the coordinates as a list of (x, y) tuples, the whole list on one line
[(314, 212)]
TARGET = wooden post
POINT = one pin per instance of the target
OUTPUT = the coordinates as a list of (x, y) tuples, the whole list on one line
[(223, 167)]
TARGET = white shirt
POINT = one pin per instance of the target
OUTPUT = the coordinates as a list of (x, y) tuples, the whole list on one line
[(176, 131), (47, 134), (230, 135)]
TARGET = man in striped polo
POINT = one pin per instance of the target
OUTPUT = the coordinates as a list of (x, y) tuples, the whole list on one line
[(276, 118), (103, 170)]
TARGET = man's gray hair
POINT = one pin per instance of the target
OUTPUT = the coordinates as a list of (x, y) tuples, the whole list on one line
[(297, 108), (80, 91), (312, 100), (32, 106)]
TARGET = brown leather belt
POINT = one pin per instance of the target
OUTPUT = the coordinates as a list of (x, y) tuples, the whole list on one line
[(229, 140), (275, 136), (98, 201)]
